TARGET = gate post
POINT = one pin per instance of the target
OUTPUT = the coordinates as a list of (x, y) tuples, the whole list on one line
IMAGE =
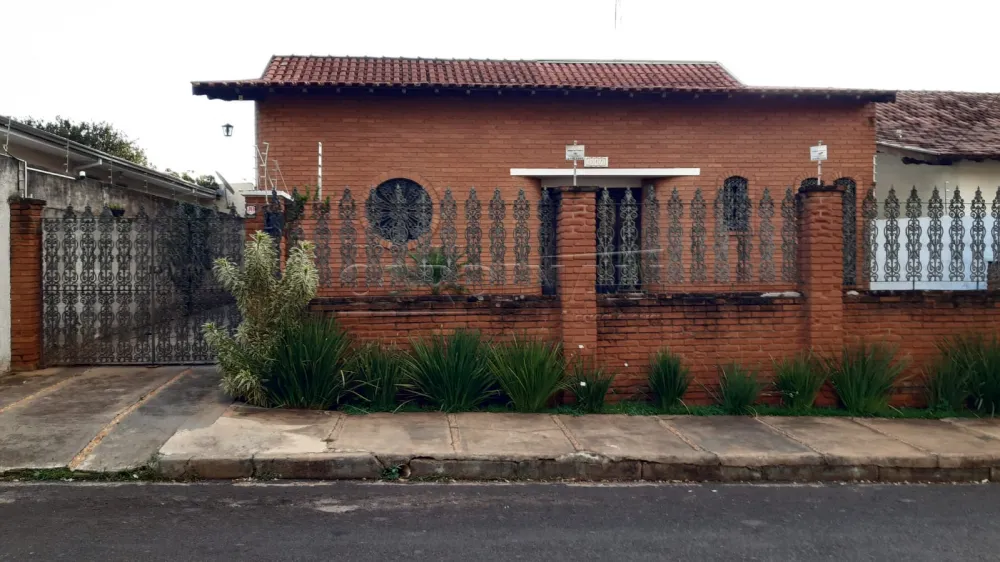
[(26, 283), (576, 248), (821, 258)]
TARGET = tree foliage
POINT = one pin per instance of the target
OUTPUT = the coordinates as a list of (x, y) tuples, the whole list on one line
[(99, 135), (204, 180), (268, 304)]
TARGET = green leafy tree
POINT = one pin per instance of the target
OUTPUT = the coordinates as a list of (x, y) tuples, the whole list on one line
[(99, 135), (269, 304), (204, 180)]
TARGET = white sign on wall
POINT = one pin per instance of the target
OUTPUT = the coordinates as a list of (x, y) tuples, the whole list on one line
[(595, 161), (817, 153), (251, 210), (574, 152)]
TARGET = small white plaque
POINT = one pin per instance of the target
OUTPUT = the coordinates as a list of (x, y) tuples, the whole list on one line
[(595, 161), (817, 153), (574, 152), (251, 210)]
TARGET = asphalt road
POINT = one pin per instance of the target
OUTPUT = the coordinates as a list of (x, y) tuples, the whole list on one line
[(349, 521)]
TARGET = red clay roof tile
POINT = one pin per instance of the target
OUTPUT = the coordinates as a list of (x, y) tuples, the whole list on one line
[(957, 124)]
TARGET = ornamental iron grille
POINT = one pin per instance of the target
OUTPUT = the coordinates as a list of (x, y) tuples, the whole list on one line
[(849, 225), (619, 251), (948, 244), (135, 290)]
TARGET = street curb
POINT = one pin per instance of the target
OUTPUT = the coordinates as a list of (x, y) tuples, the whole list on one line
[(580, 466)]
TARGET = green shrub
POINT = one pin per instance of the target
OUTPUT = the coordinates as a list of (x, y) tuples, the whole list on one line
[(268, 305), (529, 371), (381, 371), (977, 356), (308, 370), (668, 378), (590, 384), (863, 377), (947, 384), (451, 371), (799, 379), (739, 389)]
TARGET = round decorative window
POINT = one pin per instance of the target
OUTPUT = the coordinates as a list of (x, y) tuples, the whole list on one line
[(400, 210)]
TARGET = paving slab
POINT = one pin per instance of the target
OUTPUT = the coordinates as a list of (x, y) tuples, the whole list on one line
[(193, 398), (846, 443), (620, 437), (244, 431), (19, 386), (416, 434), (955, 447), (510, 436), (742, 441), (987, 426), (51, 429)]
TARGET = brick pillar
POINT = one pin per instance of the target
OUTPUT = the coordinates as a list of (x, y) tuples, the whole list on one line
[(26, 283), (576, 248), (821, 266), (256, 222)]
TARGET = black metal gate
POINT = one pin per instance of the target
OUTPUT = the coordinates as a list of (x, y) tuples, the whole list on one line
[(135, 290)]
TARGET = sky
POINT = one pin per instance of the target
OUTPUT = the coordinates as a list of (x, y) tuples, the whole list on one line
[(131, 63)]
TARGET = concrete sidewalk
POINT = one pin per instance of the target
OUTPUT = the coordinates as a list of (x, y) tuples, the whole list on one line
[(252, 442)]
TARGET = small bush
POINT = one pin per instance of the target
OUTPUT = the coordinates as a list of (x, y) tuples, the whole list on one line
[(739, 389), (799, 379), (947, 383), (308, 370), (380, 371), (529, 371), (978, 357), (668, 378), (590, 384), (863, 377), (451, 371)]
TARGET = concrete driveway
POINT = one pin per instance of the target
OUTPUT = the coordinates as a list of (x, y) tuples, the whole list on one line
[(101, 418)]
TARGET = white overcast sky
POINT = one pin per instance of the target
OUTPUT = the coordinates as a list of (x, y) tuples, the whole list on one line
[(131, 63)]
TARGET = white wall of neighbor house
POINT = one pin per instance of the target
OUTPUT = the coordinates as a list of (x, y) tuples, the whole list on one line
[(967, 175), (8, 187)]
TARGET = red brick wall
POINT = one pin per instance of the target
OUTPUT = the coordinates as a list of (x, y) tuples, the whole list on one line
[(397, 320), (916, 322), (705, 330), (26, 283)]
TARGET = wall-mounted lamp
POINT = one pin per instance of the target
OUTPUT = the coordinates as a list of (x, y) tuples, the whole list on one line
[(227, 130)]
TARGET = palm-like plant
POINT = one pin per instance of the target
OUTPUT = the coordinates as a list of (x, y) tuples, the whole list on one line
[(268, 305)]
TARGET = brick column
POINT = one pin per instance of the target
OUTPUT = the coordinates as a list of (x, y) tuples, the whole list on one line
[(256, 222), (576, 248), (26, 283), (821, 266)]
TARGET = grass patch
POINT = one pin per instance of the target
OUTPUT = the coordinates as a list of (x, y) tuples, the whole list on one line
[(668, 378), (863, 377), (309, 366), (141, 474), (451, 372), (528, 371), (798, 379), (590, 385), (739, 389), (380, 371)]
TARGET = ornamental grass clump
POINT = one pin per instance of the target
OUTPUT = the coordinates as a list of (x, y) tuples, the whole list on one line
[(451, 372), (798, 379), (739, 389), (668, 378), (528, 371), (590, 385), (310, 366), (864, 375), (268, 305), (381, 372), (968, 369)]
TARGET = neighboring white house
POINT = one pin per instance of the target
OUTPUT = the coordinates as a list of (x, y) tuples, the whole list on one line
[(938, 139)]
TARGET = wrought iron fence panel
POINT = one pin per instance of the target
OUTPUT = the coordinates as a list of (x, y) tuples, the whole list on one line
[(650, 237), (675, 234), (135, 290), (789, 238), (849, 225), (699, 272), (932, 241), (765, 211)]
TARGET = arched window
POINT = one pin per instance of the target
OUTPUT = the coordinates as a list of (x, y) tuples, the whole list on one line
[(736, 203), (808, 182), (399, 209)]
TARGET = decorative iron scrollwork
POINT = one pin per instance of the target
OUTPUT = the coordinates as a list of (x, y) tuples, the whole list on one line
[(978, 246), (449, 238), (699, 273), (765, 210), (347, 213), (744, 240), (473, 240), (956, 236), (935, 233), (869, 211), (373, 253), (522, 236), (914, 269), (892, 236), (720, 237), (675, 236), (605, 239), (789, 238), (498, 235), (849, 224), (547, 241), (629, 236), (650, 261)]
